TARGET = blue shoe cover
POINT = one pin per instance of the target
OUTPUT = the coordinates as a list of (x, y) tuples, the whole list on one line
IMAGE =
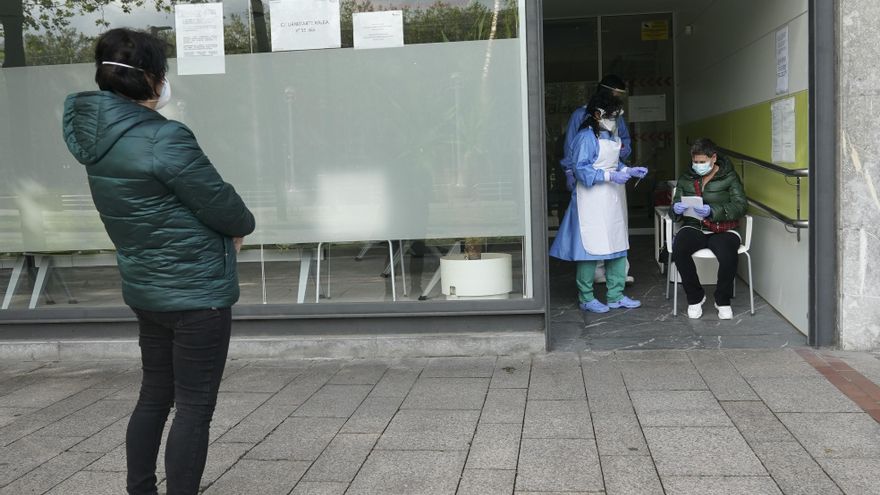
[(594, 306), (625, 303)]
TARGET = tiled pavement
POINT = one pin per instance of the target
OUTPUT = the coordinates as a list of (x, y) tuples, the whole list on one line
[(636, 422)]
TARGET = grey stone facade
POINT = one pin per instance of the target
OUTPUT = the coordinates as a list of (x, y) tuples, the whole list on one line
[(859, 174)]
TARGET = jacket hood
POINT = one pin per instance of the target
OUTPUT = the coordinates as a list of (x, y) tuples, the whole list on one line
[(94, 120)]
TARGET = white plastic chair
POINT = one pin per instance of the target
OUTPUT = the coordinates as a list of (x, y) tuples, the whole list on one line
[(672, 276)]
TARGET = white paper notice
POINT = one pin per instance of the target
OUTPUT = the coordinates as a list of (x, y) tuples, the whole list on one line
[(692, 202), (378, 29), (305, 24), (199, 32), (783, 123), (782, 61), (648, 108)]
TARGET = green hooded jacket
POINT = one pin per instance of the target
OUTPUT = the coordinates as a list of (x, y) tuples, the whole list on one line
[(724, 193), (166, 209)]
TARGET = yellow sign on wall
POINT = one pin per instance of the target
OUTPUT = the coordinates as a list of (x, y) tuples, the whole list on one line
[(655, 30)]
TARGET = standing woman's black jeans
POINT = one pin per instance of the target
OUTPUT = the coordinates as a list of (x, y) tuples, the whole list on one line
[(183, 355), (724, 245)]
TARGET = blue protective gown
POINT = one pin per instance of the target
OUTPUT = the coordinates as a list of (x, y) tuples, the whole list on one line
[(568, 245), (574, 123)]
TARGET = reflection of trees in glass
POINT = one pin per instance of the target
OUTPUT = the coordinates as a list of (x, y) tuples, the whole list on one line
[(62, 46), (440, 21)]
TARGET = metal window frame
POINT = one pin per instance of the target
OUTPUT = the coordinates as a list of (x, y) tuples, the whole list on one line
[(823, 237)]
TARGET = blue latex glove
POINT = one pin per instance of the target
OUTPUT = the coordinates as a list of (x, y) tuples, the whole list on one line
[(679, 208), (620, 177), (570, 181), (703, 211), (637, 172)]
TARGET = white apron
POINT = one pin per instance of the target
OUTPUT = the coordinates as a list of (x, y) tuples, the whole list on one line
[(602, 207)]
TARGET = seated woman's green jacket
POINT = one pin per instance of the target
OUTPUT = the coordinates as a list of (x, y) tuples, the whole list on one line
[(724, 193)]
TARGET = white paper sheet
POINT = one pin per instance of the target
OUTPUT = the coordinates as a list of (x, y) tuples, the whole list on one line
[(692, 202), (647, 108), (304, 24), (199, 33), (782, 61), (783, 128), (378, 29)]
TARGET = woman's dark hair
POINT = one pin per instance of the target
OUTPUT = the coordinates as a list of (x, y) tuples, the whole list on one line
[(704, 146), (137, 49), (603, 101)]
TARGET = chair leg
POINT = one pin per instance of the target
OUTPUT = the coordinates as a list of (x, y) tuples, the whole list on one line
[(13, 282), (44, 263), (318, 274), (391, 257), (668, 274), (403, 267), (751, 284), (672, 271)]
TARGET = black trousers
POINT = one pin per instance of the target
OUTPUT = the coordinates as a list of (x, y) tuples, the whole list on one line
[(183, 355), (725, 245)]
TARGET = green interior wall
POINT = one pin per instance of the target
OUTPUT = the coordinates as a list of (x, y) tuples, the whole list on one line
[(748, 131)]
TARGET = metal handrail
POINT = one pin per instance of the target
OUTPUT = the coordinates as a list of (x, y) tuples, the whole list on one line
[(798, 174)]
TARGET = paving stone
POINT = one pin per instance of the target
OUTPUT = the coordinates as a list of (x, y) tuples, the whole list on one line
[(447, 393), (756, 422), (486, 482), (373, 415), (802, 395), (259, 379), (495, 446), (396, 383), (504, 406), (105, 440), (606, 390), (297, 439), (114, 461), (630, 476), (678, 408), (430, 430), (90, 420), (557, 419), (334, 401), (460, 367), (854, 476), (360, 373), (793, 469), (258, 424), (556, 377), (221, 457), (342, 459), (272, 477), (46, 392), (304, 386), (660, 355), (619, 434), (721, 376), (558, 465), (409, 472), (835, 435), (511, 372), (701, 452), (661, 375), (53, 472), (714, 485), (29, 452), (91, 483), (8, 415), (319, 488), (762, 363)]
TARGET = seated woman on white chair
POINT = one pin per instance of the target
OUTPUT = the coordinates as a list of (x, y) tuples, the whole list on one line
[(711, 225)]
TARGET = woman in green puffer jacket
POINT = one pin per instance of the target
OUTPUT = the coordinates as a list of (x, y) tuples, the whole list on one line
[(712, 178), (177, 227)]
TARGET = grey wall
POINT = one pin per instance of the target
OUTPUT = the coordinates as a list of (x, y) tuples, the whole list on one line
[(859, 174)]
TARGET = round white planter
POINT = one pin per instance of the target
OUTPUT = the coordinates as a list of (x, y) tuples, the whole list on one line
[(487, 278)]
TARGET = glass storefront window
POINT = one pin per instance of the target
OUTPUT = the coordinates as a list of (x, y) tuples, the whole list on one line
[(337, 152)]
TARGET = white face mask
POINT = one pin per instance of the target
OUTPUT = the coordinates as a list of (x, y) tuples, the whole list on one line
[(702, 168), (609, 124), (164, 95)]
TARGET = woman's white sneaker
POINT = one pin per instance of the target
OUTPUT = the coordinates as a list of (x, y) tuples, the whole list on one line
[(695, 311), (724, 312)]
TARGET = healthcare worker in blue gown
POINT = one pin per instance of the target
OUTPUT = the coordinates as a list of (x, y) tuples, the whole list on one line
[(595, 225), (614, 85)]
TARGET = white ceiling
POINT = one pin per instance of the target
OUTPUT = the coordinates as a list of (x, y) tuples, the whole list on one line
[(562, 9)]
